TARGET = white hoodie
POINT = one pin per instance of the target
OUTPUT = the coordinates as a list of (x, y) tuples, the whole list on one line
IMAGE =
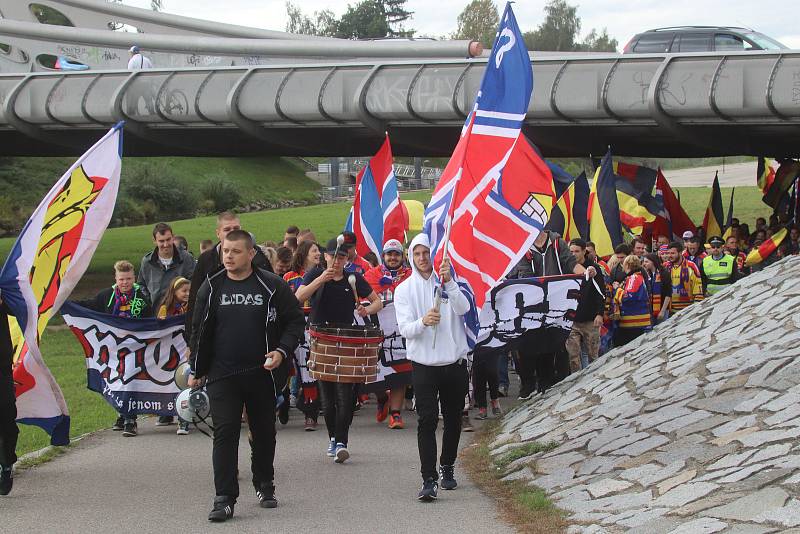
[(412, 300)]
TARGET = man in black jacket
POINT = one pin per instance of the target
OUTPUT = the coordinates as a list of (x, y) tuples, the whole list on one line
[(8, 404), (539, 348), (246, 325), (210, 262), (589, 315)]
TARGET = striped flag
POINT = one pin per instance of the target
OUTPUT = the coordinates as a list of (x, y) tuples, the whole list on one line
[(784, 178), (377, 215), (713, 220), (729, 220), (568, 217), (637, 205), (765, 250), (561, 178), (495, 192), (765, 175), (603, 213), (47, 261), (672, 221)]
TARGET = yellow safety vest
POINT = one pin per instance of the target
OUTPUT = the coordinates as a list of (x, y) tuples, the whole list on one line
[(717, 272)]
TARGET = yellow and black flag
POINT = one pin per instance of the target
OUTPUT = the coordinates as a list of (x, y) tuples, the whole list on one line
[(605, 229), (729, 220), (777, 190), (637, 205), (568, 217), (713, 220)]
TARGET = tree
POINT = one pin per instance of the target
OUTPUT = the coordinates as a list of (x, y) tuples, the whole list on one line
[(558, 31), (561, 29), (599, 43), (365, 20), (396, 15), (478, 22), (323, 22)]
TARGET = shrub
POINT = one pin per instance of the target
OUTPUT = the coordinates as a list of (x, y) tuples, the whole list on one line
[(11, 216), (171, 198), (221, 192)]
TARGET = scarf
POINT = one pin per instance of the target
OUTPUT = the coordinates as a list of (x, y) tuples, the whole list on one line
[(122, 303)]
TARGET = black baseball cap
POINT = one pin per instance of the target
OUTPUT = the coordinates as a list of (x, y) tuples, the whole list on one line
[(331, 248), (349, 238)]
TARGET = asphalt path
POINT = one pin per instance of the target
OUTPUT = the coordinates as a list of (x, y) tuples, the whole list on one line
[(738, 174), (161, 482)]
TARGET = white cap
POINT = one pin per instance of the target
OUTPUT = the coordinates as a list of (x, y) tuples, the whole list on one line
[(688, 234), (393, 245)]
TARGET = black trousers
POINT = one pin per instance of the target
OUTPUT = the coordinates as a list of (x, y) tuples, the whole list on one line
[(338, 401), (538, 351), (447, 384), (484, 372), (254, 391), (8, 420)]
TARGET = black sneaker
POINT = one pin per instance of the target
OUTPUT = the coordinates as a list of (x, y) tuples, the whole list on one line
[(448, 480), (6, 480), (165, 420), (223, 509), (266, 496), (526, 391), (283, 413), (129, 430), (428, 491), (119, 424)]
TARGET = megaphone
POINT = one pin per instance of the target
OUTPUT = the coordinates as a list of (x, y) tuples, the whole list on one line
[(182, 373)]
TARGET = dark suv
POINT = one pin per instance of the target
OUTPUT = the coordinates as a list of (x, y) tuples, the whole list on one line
[(699, 39)]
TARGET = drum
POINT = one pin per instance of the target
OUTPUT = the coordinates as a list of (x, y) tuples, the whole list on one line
[(348, 354)]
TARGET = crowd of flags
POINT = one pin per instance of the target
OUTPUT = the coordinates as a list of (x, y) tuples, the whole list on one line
[(495, 196)]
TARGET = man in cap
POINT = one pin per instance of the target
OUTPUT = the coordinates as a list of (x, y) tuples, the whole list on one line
[(333, 303), (138, 61), (687, 235), (719, 269), (384, 280)]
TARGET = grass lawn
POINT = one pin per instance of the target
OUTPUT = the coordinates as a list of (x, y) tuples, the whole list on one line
[(88, 410), (747, 203)]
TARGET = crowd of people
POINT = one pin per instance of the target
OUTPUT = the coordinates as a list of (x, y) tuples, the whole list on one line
[(226, 293)]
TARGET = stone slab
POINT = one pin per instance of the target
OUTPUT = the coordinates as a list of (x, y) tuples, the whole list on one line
[(748, 507)]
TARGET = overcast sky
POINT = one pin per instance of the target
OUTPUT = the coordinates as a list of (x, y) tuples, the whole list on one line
[(776, 18)]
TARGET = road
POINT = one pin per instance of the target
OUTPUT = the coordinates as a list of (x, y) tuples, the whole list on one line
[(160, 482), (738, 174)]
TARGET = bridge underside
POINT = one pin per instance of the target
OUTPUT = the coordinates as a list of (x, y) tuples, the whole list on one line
[(422, 140)]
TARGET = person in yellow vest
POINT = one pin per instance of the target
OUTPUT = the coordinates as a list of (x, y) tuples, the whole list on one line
[(719, 269)]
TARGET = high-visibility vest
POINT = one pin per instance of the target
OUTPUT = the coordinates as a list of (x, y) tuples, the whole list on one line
[(718, 272)]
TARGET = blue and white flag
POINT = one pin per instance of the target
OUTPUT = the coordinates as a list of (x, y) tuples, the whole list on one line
[(130, 362)]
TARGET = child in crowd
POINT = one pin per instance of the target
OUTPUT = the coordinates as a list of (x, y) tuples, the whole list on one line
[(175, 302)]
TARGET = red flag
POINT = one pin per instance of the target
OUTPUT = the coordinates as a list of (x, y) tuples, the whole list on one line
[(672, 221)]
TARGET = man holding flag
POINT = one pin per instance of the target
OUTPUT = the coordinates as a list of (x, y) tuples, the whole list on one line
[(491, 202)]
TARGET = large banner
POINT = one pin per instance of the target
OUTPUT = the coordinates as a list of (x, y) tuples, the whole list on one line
[(394, 370), (49, 258), (527, 304), (130, 362)]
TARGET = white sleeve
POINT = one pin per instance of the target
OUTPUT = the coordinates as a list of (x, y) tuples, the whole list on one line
[(408, 325), (458, 302)]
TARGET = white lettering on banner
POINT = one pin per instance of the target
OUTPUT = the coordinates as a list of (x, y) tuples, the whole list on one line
[(240, 299)]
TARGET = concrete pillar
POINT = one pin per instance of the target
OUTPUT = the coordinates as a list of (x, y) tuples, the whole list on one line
[(334, 172), (417, 173)]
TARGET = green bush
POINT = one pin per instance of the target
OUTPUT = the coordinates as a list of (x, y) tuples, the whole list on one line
[(11, 216), (159, 193), (222, 193)]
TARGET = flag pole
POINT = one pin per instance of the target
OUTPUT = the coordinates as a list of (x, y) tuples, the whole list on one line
[(437, 301)]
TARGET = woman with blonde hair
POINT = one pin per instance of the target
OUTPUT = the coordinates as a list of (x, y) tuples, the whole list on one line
[(633, 301)]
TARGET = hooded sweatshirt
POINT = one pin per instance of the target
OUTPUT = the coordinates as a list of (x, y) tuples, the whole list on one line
[(412, 300)]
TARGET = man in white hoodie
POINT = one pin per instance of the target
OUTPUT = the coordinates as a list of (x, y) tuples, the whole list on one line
[(439, 371)]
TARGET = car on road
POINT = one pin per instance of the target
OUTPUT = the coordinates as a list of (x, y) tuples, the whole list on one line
[(700, 39)]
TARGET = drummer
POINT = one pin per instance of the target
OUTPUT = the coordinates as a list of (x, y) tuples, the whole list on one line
[(332, 303)]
